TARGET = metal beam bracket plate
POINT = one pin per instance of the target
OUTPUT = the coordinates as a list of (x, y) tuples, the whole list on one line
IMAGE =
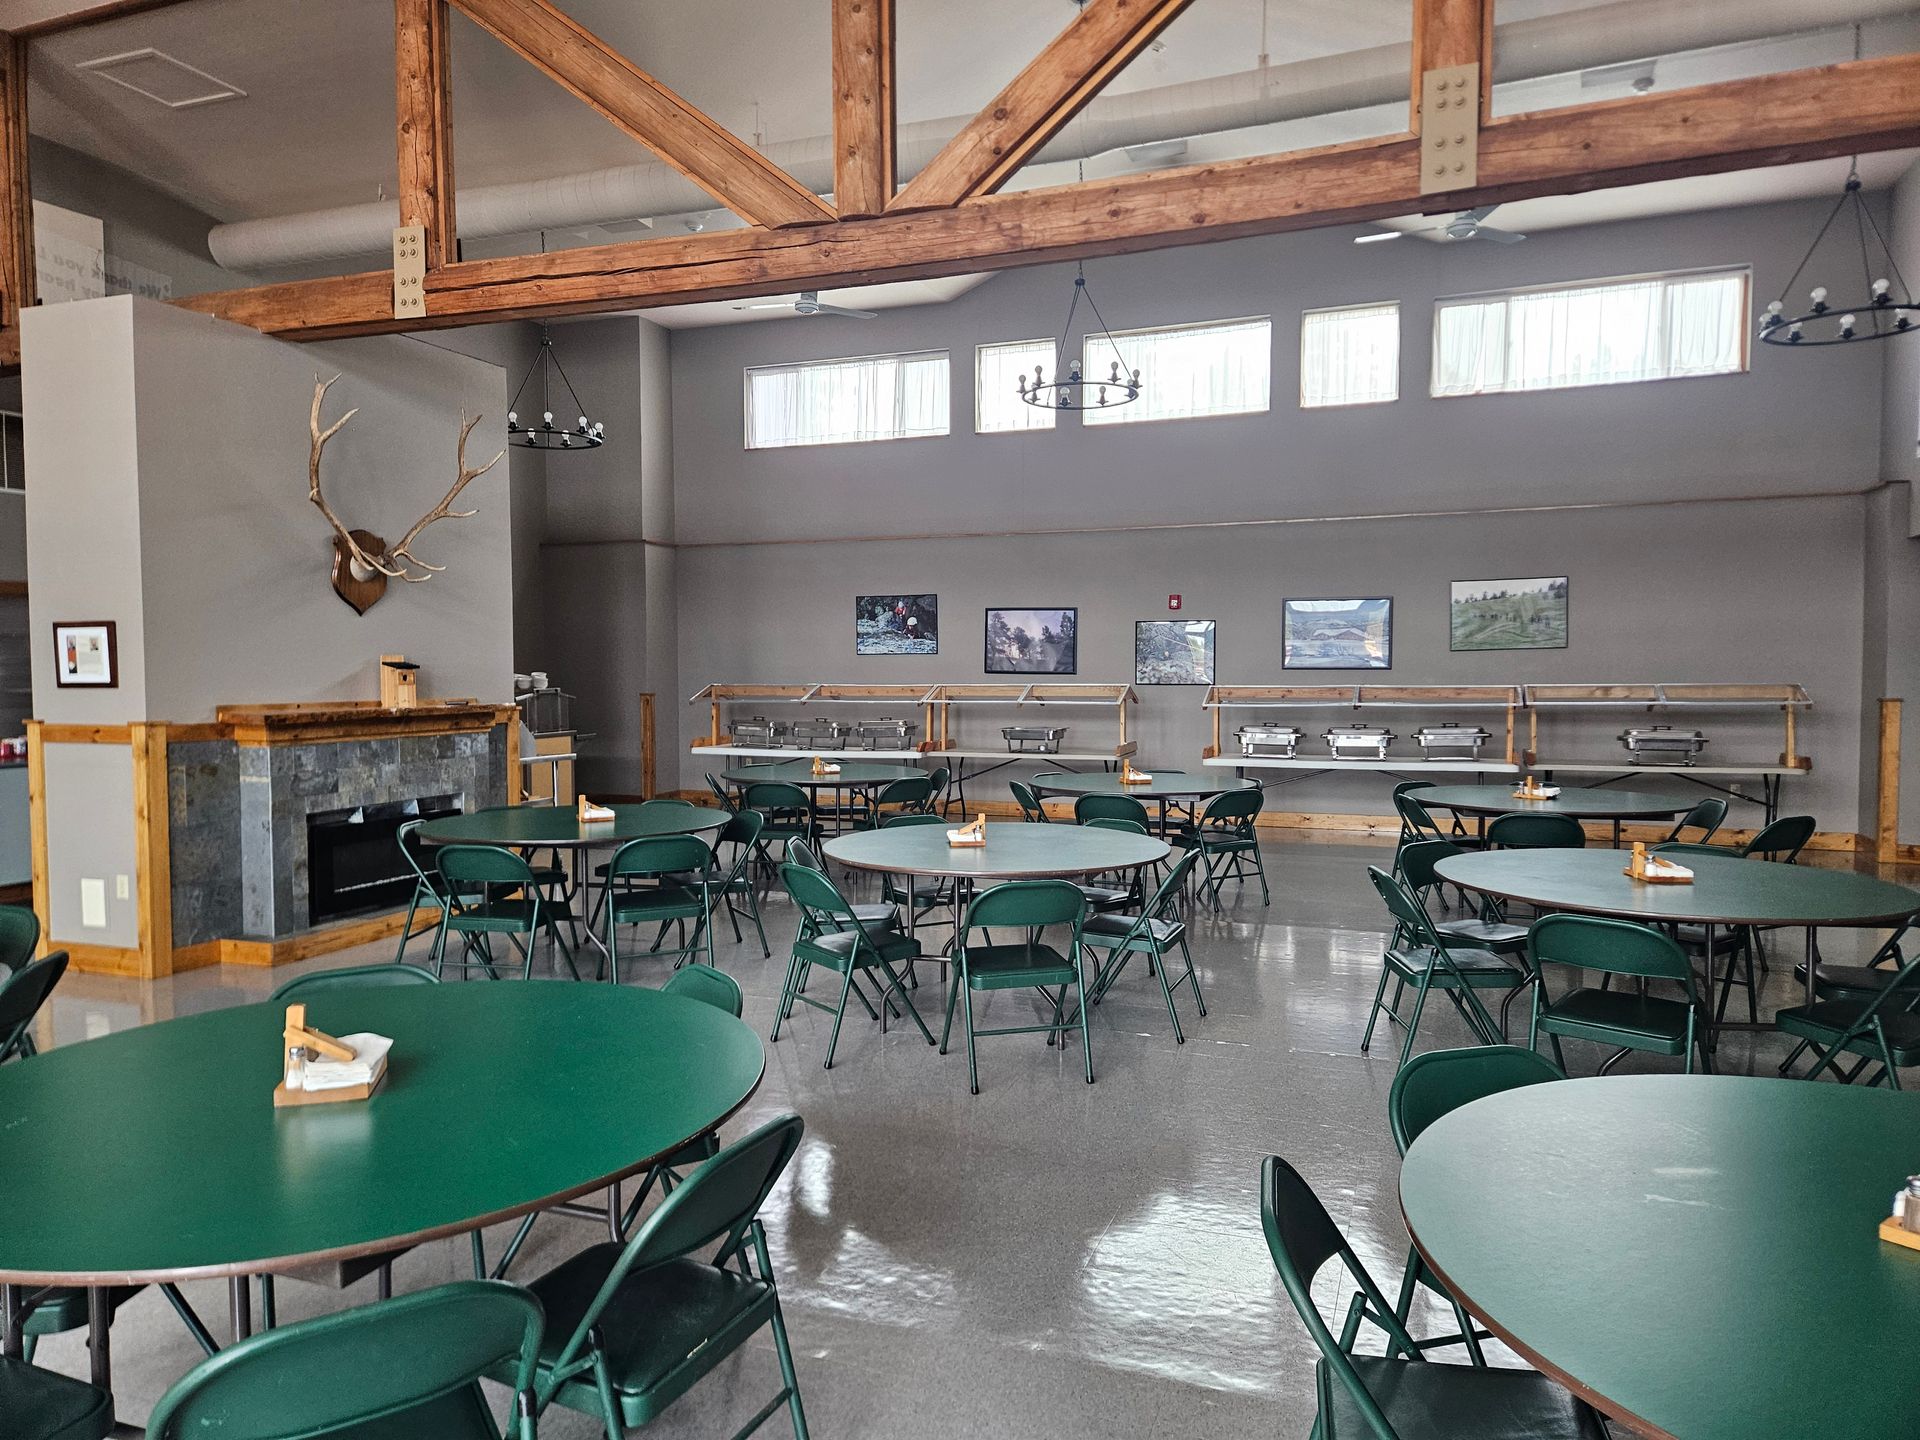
[(409, 272), (1449, 128)]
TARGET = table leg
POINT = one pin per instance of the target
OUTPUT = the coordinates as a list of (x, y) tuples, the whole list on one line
[(99, 1337), (12, 1342), (1813, 953), (1616, 833), (240, 1303)]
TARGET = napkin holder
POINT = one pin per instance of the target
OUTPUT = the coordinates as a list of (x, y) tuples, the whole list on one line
[(1131, 776), (1895, 1232), (299, 1034), (821, 767), (1531, 789), (974, 832), (592, 814), (1654, 870)]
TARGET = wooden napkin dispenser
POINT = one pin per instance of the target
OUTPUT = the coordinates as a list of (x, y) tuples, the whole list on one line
[(974, 832), (299, 1035)]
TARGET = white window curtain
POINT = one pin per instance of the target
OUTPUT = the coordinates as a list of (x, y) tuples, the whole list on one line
[(839, 402), (1350, 356), (1222, 368), (1611, 333), (997, 372)]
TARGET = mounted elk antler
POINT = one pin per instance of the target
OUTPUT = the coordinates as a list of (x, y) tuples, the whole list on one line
[(362, 561)]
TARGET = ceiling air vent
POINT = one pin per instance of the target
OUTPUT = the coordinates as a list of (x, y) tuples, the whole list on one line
[(162, 79)]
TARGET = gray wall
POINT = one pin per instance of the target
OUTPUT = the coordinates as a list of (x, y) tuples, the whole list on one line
[(1762, 591), (141, 224)]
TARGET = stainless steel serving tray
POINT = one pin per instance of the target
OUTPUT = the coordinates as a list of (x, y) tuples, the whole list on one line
[(1662, 744), (1034, 739), (1367, 741), (1281, 740), (1452, 739)]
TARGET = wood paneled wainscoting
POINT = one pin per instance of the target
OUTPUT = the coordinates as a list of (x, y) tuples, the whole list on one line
[(179, 772)]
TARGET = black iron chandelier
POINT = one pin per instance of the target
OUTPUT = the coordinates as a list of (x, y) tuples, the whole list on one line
[(584, 434), (1073, 389), (1879, 309)]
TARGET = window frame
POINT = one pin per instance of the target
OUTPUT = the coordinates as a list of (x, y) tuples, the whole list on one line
[(1147, 381), (747, 373), (1745, 335), (1052, 342), (1398, 353)]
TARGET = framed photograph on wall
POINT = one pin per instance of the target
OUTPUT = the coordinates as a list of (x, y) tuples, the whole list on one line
[(1033, 642), (1173, 652), (1337, 634), (896, 625), (1508, 614), (85, 654)]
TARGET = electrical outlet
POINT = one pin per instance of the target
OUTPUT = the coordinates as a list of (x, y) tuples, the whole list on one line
[(93, 904), (122, 888)]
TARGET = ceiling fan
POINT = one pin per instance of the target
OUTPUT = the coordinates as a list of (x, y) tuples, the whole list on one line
[(810, 303), (1467, 225)]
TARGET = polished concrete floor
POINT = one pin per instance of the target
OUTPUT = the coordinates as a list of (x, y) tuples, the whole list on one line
[(1048, 1258)]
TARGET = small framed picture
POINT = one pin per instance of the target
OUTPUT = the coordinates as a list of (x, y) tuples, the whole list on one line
[(1173, 652), (1033, 642), (1529, 614), (84, 654), (1337, 634), (896, 625)]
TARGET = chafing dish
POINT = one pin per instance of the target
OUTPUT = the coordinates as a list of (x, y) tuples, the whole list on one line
[(1662, 745), (760, 731), (886, 733), (1451, 741), (1358, 742), (819, 734), (1034, 739), (1269, 739)]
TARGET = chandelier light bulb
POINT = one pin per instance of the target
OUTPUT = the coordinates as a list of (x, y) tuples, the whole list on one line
[(1880, 287), (548, 417), (1819, 293), (513, 417), (1774, 307)]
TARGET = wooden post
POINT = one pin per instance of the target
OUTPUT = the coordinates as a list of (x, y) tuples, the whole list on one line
[(37, 811), (863, 108), (1789, 757), (1509, 734), (1216, 734), (516, 772), (647, 751), (1887, 841), (713, 735), (153, 856), (16, 206), (1533, 736), (423, 108)]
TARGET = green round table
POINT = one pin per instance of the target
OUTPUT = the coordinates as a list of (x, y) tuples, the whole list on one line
[(156, 1154), (853, 773), (1588, 803), (1725, 891), (559, 827), (1694, 1255), (1014, 851)]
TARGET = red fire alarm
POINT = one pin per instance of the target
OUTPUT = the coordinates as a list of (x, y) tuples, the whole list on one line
[(1173, 602)]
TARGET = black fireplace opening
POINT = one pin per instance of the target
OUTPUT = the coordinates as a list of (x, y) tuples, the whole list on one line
[(354, 864)]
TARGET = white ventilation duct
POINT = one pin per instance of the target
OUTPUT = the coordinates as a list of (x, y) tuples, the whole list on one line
[(1625, 30)]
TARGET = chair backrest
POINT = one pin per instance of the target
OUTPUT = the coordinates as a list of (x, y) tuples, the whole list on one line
[(1419, 857), (1126, 827), (1692, 847), (1234, 809), (354, 977), (1617, 946), (777, 797), (1027, 905), (1302, 1238), (1781, 841), (419, 857), (1706, 816), (718, 1203), (1408, 914), (23, 993), (822, 905), (1536, 831), (661, 855), (799, 852), (1441, 1081), (19, 935), (1110, 807), (707, 985), (914, 790), (896, 822), (937, 784), (1167, 897), (471, 866), (350, 1369), (1415, 818), (719, 791), (1407, 787), (743, 828), (667, 803), (1029, 803)]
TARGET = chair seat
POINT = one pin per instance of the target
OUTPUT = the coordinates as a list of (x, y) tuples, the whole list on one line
[(1481, 969), (835, 948), (656, 1330), (1845, 982), (64, 1308), (1427, 1401), (1825, 1021), (1009, 967), (1496, 935), (1619, 1017), (548, 875), (1104, 897), (38, 1404), (503, 916), (664, 902), (1693, 938), (1112, 930)]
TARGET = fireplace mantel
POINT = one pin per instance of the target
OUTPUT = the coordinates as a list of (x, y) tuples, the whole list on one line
[(318, 722)]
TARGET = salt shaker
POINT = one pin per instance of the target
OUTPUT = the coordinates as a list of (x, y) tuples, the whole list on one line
[(296, 1078), (1910, 1209)]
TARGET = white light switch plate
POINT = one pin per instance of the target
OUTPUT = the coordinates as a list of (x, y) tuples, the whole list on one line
[(93, 904)]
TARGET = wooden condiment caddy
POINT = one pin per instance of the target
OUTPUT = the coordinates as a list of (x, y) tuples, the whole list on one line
[(302, 1035), (1131, 776), (821, 767), (974, 832), (1895, 1233), (1637, 869), (1531, 789)]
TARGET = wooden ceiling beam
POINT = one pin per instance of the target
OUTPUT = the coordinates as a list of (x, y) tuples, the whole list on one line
[(719, 162), (1039, 101), (16, 205), (1861, 105), (423, 86), (863, 107)]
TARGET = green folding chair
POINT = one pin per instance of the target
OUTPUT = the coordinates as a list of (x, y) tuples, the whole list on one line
[(874, 914), (937, 783), (427, 894), (1488, 929), (1030, 807), (1883, 1027), (1155, 932), (1427, 1087), (681, 869), (1625, 1019), (406, 1367), (1706, 816), (909, 796), (19, 937), (491, 891), (1228, 842), (1853, 982), (1542, 830), (832, 935), (22, 993), (735, 887), (788, 814), (632, 1327), (1389, 1397), (38, 1404), (1111, 807), (1415, 955), (1026, 907)]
